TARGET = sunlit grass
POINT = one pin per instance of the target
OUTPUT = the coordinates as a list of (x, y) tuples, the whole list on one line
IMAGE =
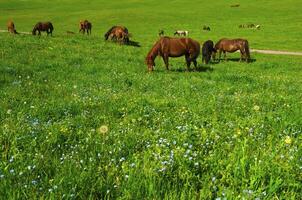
[(82, 119)]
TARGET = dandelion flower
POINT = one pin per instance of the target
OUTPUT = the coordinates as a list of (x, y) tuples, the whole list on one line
[(288, 140), (103, 129), (256, 108)]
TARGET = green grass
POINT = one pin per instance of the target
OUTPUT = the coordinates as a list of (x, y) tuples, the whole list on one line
[(231, 131)]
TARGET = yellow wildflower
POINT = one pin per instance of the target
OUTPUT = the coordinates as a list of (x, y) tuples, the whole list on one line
[(288, 140), (103, 129)]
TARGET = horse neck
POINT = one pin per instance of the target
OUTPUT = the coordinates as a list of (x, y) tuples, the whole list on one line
[(217, 45), (154, 51)]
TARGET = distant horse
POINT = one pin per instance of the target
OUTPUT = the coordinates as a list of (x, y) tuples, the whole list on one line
[(173, 47), (206, 28), (11, 27), (207, 51), (43, 26), (161, 33), (85, 26), (181, 33), (226, 45), (235, 5), (249, 25), (118, 33)]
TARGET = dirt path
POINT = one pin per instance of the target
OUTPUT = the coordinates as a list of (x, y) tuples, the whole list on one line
[(277, 52)]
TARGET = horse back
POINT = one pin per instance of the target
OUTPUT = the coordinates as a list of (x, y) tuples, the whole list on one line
[(179, 46), (10, 24)]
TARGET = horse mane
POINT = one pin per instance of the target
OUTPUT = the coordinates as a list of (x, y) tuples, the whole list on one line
[(218, 43), (108, 32), (153, 51)]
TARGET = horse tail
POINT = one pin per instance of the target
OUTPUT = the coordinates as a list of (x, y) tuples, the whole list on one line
[(108, 32), (247, 50), (51, 26)]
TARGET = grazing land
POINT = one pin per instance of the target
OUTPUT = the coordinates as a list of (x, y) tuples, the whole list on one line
[(82, 119)]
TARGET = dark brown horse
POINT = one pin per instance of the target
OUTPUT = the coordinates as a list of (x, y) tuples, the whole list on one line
[(118, 33), (85, 26), (11, 27), (226, 45), (43, 26), (173, 47)]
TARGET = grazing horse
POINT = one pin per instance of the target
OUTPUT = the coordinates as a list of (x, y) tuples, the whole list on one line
[(173, 47), (11, 27), (118, 33), (181, 33), (207, 51), (85, 26), (234, 5), (43, 26), (206, 28), (226, 45)]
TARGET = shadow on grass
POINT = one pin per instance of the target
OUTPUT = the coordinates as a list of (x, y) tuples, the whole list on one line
[(130, 43), (199, 68), (233, 60), (133, 43)]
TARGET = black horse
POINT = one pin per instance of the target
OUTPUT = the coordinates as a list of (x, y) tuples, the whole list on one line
[(207, 50)]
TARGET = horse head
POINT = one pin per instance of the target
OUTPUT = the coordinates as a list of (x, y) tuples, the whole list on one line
[(214, 51), (150, 63), (34, 31)]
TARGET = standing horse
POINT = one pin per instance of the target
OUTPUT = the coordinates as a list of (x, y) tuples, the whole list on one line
[(11, 27), (207, 51), (173, 47), (181, 33), (118, 33), (85, 26), (226, 45), (43, 26)]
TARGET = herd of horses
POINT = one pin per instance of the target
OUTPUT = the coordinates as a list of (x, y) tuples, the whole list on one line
[(165, 47), (176, 47), (116, 33)]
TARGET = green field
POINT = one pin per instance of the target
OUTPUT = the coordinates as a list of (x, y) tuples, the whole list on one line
[(82, 119)]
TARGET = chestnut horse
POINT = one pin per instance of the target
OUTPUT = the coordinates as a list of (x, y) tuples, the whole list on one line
[(119, 34), (226, 45), (85, 26), (11, 27), (43, 26), (173, 47)]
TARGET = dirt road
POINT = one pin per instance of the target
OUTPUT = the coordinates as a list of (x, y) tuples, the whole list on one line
[(277, 52)]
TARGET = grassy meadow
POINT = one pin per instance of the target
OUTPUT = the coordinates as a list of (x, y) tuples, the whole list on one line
[(81, 118)]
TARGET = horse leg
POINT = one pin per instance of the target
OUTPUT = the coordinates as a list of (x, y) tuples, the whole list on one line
[(225, 58), (166, 61), (241, 55), (193, 59), (188, 61), (195, 64), (219, 56)]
